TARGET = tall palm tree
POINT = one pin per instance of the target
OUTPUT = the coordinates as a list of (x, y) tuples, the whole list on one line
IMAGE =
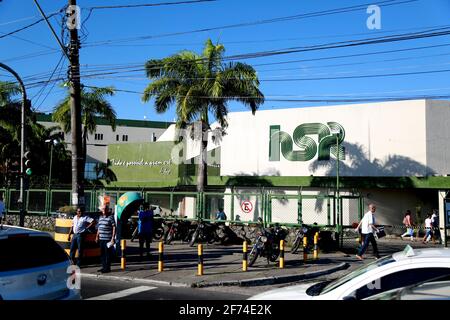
[(94, 104), (199, 85)]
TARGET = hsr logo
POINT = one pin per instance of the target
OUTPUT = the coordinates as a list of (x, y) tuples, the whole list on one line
[(302, 136)]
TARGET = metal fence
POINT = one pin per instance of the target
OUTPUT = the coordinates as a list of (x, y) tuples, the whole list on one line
[(245, 207)]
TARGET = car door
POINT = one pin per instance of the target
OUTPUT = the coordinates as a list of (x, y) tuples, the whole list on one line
[(398, 279), (32, 267)]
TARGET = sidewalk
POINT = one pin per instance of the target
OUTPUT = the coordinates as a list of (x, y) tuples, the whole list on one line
[(222, 267)]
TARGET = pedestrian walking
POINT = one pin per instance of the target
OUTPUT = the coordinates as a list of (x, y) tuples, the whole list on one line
[(145, 228), (407, 222), (435, 225), (367, 225), (2, 210), (428, 229), (80, 226), (106, 235)]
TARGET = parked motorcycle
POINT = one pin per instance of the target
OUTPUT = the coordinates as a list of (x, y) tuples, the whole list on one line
[(304, 230), (158, 227), (205, 232), (267, 244), (178, 230)]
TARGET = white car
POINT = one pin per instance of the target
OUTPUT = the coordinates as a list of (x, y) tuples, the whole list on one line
[(401, 269), (34, 267)]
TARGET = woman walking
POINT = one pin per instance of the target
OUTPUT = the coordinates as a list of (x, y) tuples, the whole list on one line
[(407, 222)]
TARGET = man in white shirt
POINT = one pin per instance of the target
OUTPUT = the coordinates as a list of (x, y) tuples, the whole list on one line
[(79, 227), (368, 228), (436, 233)]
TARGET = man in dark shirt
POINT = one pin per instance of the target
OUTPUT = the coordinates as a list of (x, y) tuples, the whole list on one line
[(106, 234), (145, 228)]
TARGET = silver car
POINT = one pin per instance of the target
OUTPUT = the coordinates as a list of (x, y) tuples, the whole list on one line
[(34, 267)]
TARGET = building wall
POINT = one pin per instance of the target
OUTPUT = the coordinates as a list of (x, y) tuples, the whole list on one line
[(438, 136), (97, 149), (381, 139)]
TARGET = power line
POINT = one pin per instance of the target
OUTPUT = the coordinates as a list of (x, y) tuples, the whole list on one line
[(346, 99), (148, 4), (259, 22), (53, 86), (39, 93), (30, 25)]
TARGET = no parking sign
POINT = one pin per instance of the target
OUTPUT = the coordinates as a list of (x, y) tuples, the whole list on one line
[(246, 206)]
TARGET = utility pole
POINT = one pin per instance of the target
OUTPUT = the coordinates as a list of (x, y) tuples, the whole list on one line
[(73, 17)]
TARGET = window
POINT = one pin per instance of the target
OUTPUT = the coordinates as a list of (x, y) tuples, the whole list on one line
[(398, 280), (356, 273), (98, 136), (117, 137), (90, 172), (125, 137), (24, 252)]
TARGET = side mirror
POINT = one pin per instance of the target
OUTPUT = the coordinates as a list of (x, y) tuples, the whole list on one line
[(352, 298)]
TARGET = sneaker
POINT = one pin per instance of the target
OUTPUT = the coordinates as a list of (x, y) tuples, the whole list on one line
[(100, 270), (359, 257), (105, 271)]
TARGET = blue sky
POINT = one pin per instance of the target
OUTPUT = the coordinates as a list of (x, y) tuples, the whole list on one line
[(32, 54)]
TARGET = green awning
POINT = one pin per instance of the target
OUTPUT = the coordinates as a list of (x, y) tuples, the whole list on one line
[(127, 200)]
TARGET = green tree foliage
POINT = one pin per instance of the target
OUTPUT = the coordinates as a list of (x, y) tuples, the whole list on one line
[(199, 86), (36, 134), (94, 104)]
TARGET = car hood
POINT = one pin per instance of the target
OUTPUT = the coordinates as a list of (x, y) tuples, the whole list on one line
[(297, 292)]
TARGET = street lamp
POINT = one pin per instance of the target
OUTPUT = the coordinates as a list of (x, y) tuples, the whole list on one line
[(53, 142), (337, 133)]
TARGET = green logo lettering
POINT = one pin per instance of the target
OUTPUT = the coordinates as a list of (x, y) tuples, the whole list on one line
[(282, 141)]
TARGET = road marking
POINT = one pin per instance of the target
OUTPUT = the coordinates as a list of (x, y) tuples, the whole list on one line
[(122, 293)]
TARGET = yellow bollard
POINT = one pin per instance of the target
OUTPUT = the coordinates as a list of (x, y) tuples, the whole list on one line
[(244, 258), (123, 260), (305, 249), (316, 247), (160, 256), (200, 260), (281, 254)]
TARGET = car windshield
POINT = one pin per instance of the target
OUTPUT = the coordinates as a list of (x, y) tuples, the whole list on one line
[(377, 263)]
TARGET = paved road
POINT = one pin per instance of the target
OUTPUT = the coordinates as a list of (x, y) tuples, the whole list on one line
[(119, 290)]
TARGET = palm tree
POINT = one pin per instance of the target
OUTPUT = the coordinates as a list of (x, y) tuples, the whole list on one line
[(93, 105), (198, 85)]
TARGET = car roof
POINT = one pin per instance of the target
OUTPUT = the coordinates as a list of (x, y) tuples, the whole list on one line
[(7, 231), (440, 253)]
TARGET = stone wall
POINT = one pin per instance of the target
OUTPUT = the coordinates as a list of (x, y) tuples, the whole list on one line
[(33, 222)]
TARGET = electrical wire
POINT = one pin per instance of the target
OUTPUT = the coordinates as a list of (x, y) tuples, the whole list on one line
[(257, 22)]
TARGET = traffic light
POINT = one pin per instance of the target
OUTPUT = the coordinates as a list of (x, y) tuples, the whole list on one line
[(27, 164)]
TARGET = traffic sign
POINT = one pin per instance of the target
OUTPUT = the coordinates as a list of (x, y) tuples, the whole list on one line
[(246, 206)]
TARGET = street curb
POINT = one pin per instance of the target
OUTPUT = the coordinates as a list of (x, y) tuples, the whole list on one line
[(272, 280), (131, 279)]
